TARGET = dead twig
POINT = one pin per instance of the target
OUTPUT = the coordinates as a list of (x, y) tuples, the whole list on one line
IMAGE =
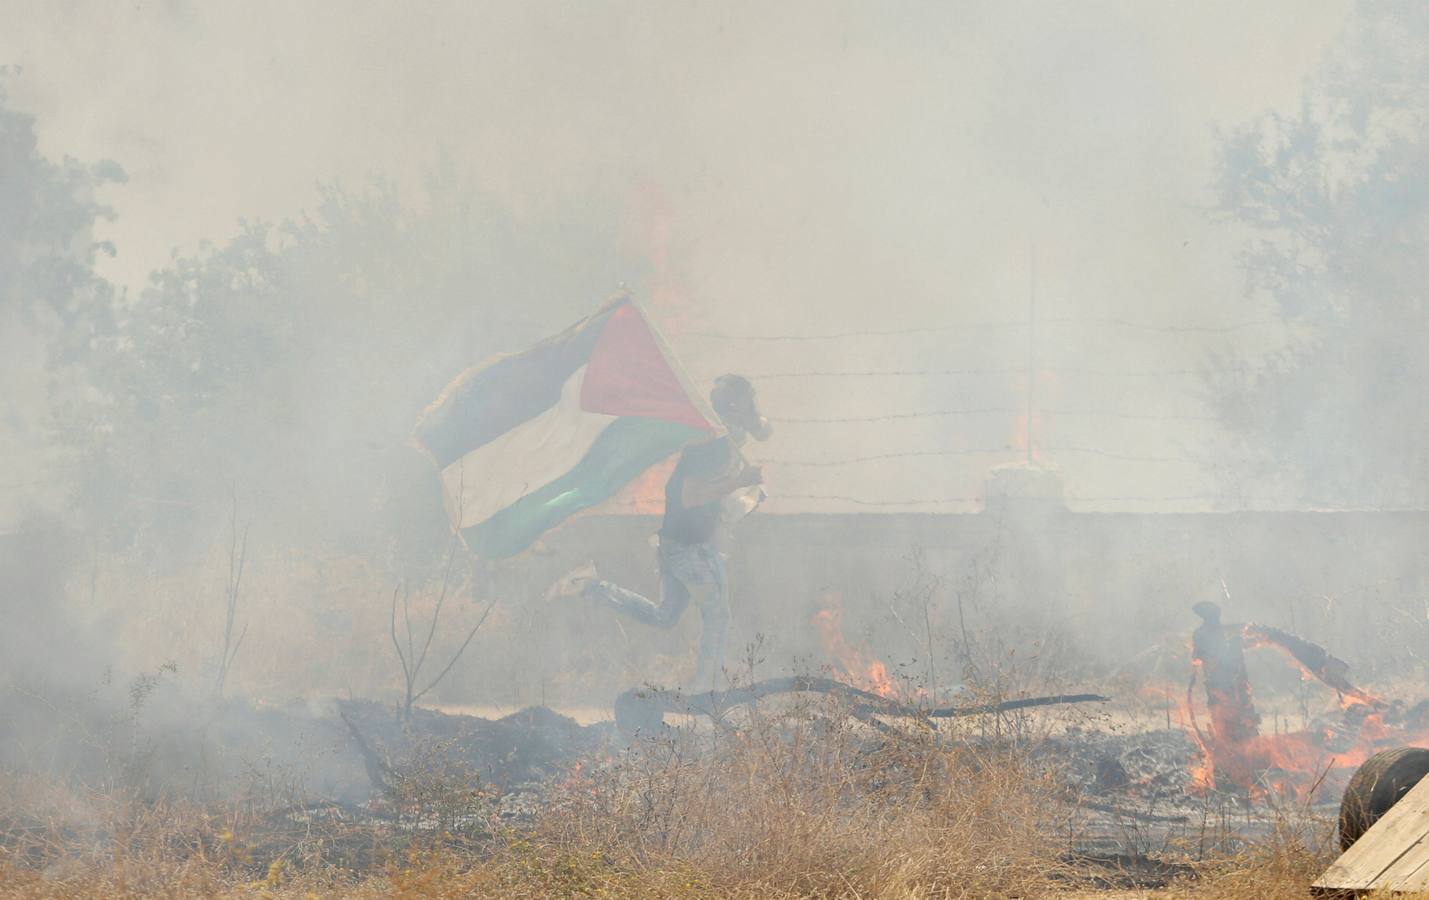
[(237, 556), (412, 660)]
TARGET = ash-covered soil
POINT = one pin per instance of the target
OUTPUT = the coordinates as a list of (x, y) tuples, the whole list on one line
[(316, 749), (1134, 792), (1138, 799)]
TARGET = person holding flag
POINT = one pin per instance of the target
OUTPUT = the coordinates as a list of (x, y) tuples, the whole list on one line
[(528, 440), (711, 484)]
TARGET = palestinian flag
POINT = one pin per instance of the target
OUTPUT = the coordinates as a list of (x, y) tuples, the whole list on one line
[(527, 440)]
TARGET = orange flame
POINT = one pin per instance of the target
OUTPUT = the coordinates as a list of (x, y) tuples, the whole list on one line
[(870, 673), (647, 493), (1291, 764)]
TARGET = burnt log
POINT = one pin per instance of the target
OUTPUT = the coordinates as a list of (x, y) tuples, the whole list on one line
[(643, 710), (1330, 670)]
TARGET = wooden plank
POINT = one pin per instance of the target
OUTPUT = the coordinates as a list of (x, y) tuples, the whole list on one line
[(1410, 875), (1403, 870), (1396, 849), (1397, 843)]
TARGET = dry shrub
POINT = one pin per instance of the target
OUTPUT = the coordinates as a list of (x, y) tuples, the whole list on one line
[(802, 801), (812, 802), (793, 799), (989, 848), (1269, 870), (59, 841), (1280, 865)]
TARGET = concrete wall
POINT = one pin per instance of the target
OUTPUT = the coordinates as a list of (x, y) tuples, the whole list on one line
[(1110, 590)]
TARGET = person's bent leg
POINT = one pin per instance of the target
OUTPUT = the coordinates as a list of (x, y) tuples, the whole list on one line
[(674, 597)]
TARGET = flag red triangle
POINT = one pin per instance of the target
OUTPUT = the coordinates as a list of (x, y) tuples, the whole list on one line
[(628, 375)]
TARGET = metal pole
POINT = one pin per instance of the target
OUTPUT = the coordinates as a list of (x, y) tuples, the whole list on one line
[(1031, 342)]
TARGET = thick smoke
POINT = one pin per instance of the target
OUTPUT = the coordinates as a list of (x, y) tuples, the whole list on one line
[(944, 241)]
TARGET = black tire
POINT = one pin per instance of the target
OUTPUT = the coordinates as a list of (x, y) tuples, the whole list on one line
[(1376, 786)]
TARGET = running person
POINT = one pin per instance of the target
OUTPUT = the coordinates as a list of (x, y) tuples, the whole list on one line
[(710, 482)]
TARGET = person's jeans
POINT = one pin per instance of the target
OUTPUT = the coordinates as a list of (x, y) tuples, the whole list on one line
[(687, 571)]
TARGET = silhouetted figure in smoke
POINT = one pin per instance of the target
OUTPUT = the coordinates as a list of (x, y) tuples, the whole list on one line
[(711, 484), (1238, 752), (1218, 651)]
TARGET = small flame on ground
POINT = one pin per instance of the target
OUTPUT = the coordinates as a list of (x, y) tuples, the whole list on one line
[(868, 673)]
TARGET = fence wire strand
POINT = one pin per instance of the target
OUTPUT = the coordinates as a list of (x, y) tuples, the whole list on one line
[(991, 410), (1020, 324)]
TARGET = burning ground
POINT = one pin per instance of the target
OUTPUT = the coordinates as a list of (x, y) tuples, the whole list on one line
[(856, 775), (832, 784)]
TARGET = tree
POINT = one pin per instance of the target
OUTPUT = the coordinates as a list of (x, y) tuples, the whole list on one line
[(1336, 200), (47, 250), (53, 306), (291, 363)]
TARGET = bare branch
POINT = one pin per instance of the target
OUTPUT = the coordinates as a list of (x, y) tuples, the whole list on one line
[(460, 650), (441, 601), (237, 559), (238, 643), (406, 675), (413, 661), (407, 617)]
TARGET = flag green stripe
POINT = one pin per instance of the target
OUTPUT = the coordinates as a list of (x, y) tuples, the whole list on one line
[(627, 447)]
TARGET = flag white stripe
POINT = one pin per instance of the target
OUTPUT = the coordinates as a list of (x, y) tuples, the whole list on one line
[(533, 454)]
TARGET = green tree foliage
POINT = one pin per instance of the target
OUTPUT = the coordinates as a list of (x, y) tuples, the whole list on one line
[(53, 307), (1336, 199), (289, 365), (47, 250)]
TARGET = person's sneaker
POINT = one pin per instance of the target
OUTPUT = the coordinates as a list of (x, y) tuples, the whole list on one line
[(573, 582)]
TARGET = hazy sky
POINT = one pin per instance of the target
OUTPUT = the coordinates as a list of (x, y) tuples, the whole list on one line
[(793, 168)]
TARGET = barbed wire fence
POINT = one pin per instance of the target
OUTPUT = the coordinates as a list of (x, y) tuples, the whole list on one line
[(1019, 378), (1033, 415)]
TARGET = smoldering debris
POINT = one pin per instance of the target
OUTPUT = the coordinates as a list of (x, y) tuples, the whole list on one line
[(643, 710)]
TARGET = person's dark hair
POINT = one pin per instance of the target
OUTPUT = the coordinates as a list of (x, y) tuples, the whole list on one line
[(1208, 611), (729, 390), (733, 401)]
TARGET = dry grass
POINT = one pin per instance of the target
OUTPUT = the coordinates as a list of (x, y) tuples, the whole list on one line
[(791, 799), (1279, 865), (802, 801), (532, 869), (811, 803)]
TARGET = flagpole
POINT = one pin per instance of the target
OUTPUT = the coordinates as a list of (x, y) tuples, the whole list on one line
[(1031, 342)]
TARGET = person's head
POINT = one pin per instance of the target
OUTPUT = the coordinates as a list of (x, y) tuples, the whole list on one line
[(733, 400), (1209, 612)]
